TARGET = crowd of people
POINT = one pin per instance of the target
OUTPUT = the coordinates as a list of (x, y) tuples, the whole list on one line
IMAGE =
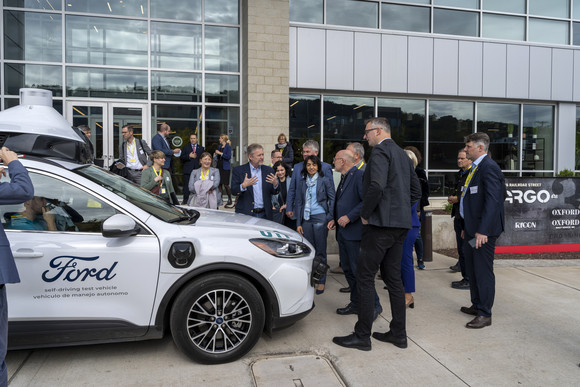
[(375, 210)]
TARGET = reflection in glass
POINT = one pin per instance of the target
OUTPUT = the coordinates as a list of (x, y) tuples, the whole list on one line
[(577, 138), (97, 40), (538, 137), (29, 75), (11, 102), (405, 18), (442, 183), (449, 123), (48, 5), (179, 10), (222, 88), (414, 1), (176, 46), (548, 31), (515, 6), (221, 48), (504, 27), (446, 21), (473, 4), (501, 122), (221, 11), (32, 36), (576, 33), (352, 13), (407, 120), (106, 83), (308, 11), (344, 122), (136, 8), (223, 120), (304, 121), (576, 11), (184, 87), (91, 116), (556, 8)]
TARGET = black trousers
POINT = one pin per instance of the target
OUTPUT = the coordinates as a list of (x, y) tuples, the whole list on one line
[(458, 227), (479, 265), (381, 248)]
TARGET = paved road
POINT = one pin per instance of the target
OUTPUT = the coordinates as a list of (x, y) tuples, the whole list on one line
[(534, 340)]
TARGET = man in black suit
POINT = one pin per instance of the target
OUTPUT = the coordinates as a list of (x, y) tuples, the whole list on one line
[(347, 206), (390, 185), (482, 208), (190, 158), (254, 183)]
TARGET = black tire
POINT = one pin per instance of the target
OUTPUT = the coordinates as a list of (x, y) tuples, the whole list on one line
[(220, 335)]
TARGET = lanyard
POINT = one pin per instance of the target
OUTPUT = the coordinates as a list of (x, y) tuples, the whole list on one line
[(361, 164), (159, 174), (202, 175), (468, 180), (131, 148)]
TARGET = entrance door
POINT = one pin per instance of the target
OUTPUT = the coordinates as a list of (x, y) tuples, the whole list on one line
[(105, 120)]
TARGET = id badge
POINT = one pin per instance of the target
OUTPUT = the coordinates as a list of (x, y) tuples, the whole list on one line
[(473, 190), (132, 160), (163, 191)]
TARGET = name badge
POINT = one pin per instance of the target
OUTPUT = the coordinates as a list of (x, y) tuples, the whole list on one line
[(211, 177), (473, 190), (132, 160), (163, 191), (141, 151)]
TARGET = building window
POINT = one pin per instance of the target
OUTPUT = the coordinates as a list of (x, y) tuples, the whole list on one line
[(307, 11), (352, 13), (222, 88), (504, 27), (473, 4), (538, 138), (304, 121), (451, 22), (344, 122), (221, 11), (189, 10), (221, 49), (32, 36), (106, 83), (554, 8), (168, 86), (511, 6), (28, 75), (405, 18), (223, 120), (578, 138), (548, 31), (500, 121), (176, 46)]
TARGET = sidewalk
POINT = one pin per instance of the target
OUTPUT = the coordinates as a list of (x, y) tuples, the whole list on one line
[(534, 340)]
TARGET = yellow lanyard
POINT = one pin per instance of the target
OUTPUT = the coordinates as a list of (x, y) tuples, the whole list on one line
[(132, 149), (202, 175), (468, 180), (361, 164), (159, 174)]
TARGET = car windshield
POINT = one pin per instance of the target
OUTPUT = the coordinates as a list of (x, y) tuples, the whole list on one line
[(138, 196)]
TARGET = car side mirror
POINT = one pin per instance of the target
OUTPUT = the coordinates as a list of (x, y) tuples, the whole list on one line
[(120, 225)]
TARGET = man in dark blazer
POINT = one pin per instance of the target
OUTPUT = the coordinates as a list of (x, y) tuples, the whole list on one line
[(310, 147), (159, 142), (190, 157), (133, 155), (254, 184), (390, 186), (18, 190), (482, 208), (347, 206)]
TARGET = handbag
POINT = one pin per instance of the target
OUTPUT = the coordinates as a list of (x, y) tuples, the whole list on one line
[(156, 190)]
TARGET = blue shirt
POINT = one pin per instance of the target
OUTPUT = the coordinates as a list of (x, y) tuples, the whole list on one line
[(316, 208), (473, 166), (258, 199)]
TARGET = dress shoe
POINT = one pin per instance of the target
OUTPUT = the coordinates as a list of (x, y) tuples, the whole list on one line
[(410, 302), (388, 337), (479, 322), (344, 290), (336, 270), (349, 309), (420, 265), (378, 311), (353, 341), (471, 310), (455, 268), (463, 284)]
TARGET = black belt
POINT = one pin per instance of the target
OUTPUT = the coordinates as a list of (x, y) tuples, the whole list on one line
[(258, 210), (131, 169), (1, 286)]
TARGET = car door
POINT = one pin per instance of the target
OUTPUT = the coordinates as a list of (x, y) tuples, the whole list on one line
[(74, 282)]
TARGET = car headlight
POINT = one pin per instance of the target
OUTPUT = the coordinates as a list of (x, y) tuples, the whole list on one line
[(282, 248)]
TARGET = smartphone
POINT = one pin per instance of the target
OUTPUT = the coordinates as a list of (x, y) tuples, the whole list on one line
[(472, 242)]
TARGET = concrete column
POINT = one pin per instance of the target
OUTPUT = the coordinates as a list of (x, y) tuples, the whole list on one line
[(265, 64), (565, 155)]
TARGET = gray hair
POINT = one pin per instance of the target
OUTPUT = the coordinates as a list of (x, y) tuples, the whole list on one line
[(478, 138), (253, 147), (379, 122), (358, 149), (312, 144)]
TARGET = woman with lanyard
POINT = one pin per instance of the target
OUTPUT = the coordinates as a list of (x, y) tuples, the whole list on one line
[(156, 179), (203, 184)]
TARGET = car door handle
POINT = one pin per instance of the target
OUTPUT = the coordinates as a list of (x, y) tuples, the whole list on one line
[(27, 253)]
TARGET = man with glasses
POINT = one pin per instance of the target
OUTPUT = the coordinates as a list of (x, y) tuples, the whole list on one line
[(133, 155), (310, 147), (390, 188)]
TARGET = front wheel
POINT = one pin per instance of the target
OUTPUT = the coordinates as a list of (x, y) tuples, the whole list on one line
[(217, 318)]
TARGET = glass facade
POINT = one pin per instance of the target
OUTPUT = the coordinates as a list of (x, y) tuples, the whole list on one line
[(521, 135), (542, 21), (577, 164)]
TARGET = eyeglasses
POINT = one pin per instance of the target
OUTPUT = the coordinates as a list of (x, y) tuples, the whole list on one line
[(370, 130)]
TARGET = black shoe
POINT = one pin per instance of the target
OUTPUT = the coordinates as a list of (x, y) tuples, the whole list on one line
[(349, 309), (378, 311), (344, 290), (421, 265), (479, 322), (463, 284), (455, 268), (229, 204), (352, 341), (471, 310), (388, 337)]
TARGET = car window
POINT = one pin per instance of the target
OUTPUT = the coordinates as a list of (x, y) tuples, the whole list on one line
[(56, 206)]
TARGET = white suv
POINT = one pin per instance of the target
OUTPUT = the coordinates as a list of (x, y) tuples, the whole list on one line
[(124, 265)]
